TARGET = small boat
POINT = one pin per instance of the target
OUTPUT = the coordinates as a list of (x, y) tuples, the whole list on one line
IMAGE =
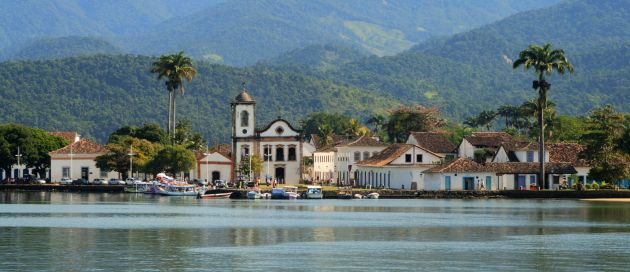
[(254, 195), (139, 187), (291, 192), (372, 196), (178, 190), (277, 193), (358, 196), (314, 192), (214, 195), (344, 194)]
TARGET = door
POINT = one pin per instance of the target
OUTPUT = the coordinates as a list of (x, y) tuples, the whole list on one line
[(488, 183), (216, 175), (280, 174), (521, 183), (16, 173), (447, 183), (85, 173), (469, 183)]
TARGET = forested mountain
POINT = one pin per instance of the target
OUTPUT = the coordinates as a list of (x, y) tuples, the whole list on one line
[(472, 71), (25, 20), (57, 48), (241, 32), (317, 57), (98, 94), (250, 30)]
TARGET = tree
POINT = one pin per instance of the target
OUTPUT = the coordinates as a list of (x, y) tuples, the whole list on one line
[(175, 68), (150, 132), (244, 165), (172, 159), (34, 144), (404, 120), (483, 119), (544, 60), (357, 129), (186, 137), (530, 109), (118, 158), (325, 133), (604, 149), (339, 124)]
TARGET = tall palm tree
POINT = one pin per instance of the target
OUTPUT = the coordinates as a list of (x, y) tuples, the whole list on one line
[(175, 68), (544, 60)]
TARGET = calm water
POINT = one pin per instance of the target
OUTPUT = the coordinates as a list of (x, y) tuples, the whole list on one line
[(46, 231)]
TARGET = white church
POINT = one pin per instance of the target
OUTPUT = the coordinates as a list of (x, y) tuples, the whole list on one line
[(278, 144)]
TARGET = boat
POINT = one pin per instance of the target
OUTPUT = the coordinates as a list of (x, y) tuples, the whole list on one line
[(138, 187), (344, 194), (214, 195), (314, 192), (277, 193), (372, 196), (254, 195), (178, 189), (358, 196), (291, 192)]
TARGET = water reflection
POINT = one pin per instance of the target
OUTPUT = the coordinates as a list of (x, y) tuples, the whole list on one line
[(82, 232)]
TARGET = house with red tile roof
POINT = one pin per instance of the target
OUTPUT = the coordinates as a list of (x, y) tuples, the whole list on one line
[(399, 166), (436, 142), (77, 160), (215, 164)]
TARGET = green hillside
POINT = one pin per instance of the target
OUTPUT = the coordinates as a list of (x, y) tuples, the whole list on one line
[(98, 94), (57, 48), (318, 57)]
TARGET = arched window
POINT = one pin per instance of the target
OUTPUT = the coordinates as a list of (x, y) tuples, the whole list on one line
[(292, 156), (279, 153), (244, 118)]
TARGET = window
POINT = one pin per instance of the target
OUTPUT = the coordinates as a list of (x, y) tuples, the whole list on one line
[(418, 158), (530, 156), (267, 154), (291, 153), (244, 118), (407, 157), (366, 155), (532, 179), (103, 173), (357, 156), (245, 152), (65, 172), (279, 153)]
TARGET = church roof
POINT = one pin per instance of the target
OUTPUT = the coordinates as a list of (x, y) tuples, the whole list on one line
[(244, 97)]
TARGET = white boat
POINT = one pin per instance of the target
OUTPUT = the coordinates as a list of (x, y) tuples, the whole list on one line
[(358, 196), (254, 195), (291, 192), (314, 192), (178, 190), (372, 196), (139, 187)]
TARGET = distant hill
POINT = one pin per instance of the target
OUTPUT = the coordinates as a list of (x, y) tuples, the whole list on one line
[(98, 94), (57, 48), (472, 71), (318, 57), (243, 32)]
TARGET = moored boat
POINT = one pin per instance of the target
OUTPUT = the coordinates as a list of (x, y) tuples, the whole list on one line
[(291, 192), (372, 196), (138, 187), (277, 193), (178, 190), (254, 195), (214, 195), (314, 192)]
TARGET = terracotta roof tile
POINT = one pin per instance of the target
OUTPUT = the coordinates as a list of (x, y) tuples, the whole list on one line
[(70, 136), (567, 152), (83, 146), (462, 165), (364, 141), (491, 139), (435, 141), (389, 154)]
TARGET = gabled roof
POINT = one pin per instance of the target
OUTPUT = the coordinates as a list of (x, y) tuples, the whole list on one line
[(364, 140), (260, 130), (223, 149), (83, 146), (490, 139), (337, 139), (390, 154), (70, 136), (567, 152), (434, 141), (463, 165)]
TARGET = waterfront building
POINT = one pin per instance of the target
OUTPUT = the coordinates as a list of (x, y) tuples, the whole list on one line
[(278, 144), (399, 166), (216, 164), (337, 161), (434, 141), (77, 160)]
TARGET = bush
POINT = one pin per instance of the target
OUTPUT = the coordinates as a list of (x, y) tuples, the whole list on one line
[(595, 186), (588, 186), (573, 186)]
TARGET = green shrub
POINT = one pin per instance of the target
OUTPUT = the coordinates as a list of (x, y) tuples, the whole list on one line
[(595, 186), (588, 186)]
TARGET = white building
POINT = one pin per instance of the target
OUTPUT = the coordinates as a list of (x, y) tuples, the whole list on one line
[(216, 164), (399, 166), (77, 160), (337, 162), (278, 144), (436, 142)]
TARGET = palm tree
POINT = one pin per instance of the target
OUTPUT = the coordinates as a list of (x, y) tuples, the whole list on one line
[(544, 60), (174, 68)]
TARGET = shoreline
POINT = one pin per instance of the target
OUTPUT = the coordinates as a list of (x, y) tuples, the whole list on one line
[(591, 195)]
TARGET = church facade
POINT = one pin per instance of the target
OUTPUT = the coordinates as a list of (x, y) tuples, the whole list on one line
[(278, 144)]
